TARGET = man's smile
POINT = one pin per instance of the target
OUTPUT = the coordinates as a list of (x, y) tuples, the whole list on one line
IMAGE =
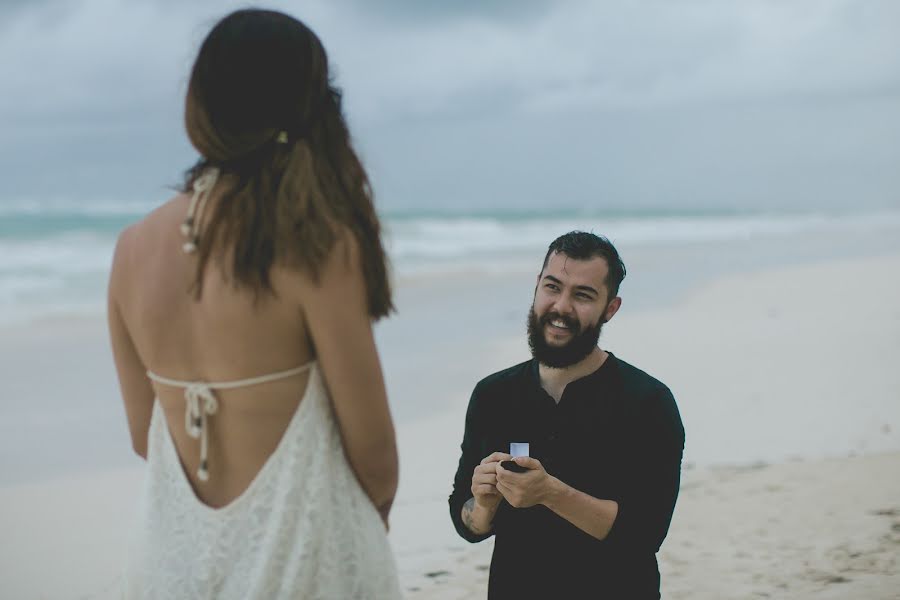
[(558, 328)]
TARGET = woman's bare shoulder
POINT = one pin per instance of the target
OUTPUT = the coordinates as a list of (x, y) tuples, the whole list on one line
[(134, 238), (171, 211)]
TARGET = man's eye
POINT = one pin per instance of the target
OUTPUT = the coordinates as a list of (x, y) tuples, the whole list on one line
[(583, 296), (550, 286)]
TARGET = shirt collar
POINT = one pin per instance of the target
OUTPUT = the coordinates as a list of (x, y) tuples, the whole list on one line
[(534, 370)]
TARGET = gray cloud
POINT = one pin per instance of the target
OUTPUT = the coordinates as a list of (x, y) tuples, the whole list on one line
[(441, 11), (508, 103), (11, 9)]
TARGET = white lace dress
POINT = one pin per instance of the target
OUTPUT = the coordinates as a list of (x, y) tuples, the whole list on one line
[(304, 528)]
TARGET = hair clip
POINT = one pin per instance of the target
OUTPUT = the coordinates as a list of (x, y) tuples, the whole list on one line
[(282, 137)]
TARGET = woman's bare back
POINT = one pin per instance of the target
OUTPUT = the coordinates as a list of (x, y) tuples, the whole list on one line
[(223, 336)]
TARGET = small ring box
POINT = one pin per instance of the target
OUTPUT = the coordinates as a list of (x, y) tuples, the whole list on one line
[(516, 449)]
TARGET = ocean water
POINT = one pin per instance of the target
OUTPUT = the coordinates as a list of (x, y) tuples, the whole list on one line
[(55, 255)]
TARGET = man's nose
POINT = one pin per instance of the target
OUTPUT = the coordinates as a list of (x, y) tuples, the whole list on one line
[(563, 305)]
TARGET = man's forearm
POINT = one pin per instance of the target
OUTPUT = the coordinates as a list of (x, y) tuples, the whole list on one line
[(594, 516), (478, 519)]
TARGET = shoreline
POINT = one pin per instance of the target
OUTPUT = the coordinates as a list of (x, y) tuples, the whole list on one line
[(700, 260)]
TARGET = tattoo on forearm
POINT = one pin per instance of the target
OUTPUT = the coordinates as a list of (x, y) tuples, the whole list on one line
[(467, 509)]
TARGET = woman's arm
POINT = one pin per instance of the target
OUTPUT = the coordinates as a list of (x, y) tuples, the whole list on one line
[(137, 393), (340, 327)]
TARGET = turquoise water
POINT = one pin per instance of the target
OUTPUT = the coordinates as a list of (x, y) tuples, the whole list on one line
[(55, 255)]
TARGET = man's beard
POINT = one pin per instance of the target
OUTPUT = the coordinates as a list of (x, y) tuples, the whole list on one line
[(575, 350)]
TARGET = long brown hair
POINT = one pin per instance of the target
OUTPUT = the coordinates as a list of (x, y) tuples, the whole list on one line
[(262, 109)]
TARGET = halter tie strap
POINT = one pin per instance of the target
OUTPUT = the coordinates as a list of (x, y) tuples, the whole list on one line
[(190, 228), (201, 403)]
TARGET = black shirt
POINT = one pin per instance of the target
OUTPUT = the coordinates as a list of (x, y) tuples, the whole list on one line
[(616, 434)]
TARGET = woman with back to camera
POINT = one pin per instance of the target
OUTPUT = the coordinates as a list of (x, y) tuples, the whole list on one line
[(240, 315)]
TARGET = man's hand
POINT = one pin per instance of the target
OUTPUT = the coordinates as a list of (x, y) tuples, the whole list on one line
[(523, 490), (478, 513), (484, 481), (594, 516)]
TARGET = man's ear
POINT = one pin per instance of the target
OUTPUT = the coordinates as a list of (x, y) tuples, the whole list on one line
[(612, 308)]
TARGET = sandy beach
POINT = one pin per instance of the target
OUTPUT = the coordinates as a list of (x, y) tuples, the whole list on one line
[(786, 379), (792, 408)]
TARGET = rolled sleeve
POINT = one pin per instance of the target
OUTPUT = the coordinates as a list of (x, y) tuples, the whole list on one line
[(474, 449), (647, 501)]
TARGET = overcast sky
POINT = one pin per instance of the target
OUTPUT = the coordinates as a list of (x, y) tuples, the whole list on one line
[(518, 105)]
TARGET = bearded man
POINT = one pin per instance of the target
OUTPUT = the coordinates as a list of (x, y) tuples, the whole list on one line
[(585, 504)]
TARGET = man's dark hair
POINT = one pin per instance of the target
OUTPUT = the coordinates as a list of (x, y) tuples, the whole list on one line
[(581, 245)]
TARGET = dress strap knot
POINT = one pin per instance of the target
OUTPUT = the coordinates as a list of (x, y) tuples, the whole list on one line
[(200, 402)]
